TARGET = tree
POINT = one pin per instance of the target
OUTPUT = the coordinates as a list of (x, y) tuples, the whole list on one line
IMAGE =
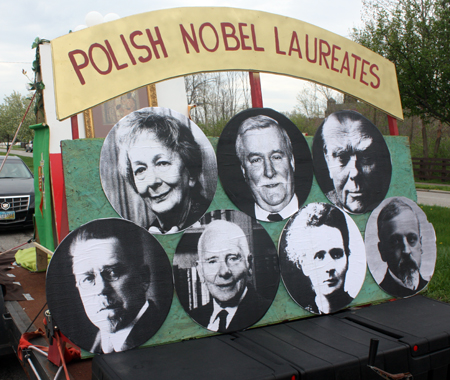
[(218, 96), (414, 35), (313, 99), (11, 114)]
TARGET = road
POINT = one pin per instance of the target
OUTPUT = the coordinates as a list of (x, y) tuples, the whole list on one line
[(12, 238), (433, 197), (17, 152)]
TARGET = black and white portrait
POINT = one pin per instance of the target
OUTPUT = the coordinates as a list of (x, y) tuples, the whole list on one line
[(158, 170), (322, 258), (352, 162), (226, 271), (264, 164), (109, 286), (401, 247)]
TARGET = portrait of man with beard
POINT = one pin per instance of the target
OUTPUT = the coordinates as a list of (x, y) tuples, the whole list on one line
[(402, 247)]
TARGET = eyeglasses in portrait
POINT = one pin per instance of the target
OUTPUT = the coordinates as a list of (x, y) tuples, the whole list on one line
[(109, 286)]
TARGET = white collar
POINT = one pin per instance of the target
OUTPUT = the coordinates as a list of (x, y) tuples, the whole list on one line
[(214, 321), (415, 284), (116, 341), (291, 208)]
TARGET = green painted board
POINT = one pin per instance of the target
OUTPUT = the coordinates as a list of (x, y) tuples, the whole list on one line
[(86, 201)]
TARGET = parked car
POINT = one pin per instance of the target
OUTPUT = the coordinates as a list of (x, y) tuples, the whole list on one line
[(29, 147), (16, 194)]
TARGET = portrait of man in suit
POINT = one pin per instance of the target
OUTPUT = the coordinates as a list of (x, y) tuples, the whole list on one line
[(351, 162), (268, 169), (115, 285), (400, 247), (265, 164), (225, 267)]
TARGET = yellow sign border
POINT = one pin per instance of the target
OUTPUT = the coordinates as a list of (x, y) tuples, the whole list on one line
[(99, 63)]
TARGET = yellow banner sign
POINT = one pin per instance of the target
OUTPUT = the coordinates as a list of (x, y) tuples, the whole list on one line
[(104, 61)]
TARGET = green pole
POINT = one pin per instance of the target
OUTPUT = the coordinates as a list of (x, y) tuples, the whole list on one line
[(43, 200)]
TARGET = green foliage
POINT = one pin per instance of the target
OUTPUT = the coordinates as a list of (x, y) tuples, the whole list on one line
[(11, 113), (304, 124), (439, 286), (415, 35)]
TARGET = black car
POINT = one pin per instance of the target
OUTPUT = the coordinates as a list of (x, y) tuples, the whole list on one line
[(16, 194)]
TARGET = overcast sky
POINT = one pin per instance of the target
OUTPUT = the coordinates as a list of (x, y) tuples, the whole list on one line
[(21, 21)]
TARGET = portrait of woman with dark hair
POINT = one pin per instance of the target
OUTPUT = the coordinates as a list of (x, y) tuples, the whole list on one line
[(158, 169)]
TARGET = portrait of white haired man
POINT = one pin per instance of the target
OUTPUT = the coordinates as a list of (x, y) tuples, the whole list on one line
[(400, 247), (351, 162), (265, 164), (124, 299), (225, 266), (314, 258)]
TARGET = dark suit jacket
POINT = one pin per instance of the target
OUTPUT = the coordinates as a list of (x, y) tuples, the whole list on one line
[(250, 209), (338, 300), (389, 285), (142, 331), (250, 310)]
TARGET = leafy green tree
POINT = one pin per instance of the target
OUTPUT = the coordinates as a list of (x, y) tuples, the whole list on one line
[(12, 111), (415, 35)]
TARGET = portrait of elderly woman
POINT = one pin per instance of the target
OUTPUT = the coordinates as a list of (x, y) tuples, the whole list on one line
[(322, 258), (158, 170)]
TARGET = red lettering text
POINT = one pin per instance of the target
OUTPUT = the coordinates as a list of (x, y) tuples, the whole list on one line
[(373, 67), (323, 53), (243, 37), (77, 67), (91, 58), (232, 35), (127, 48), (333, 57), (156, 42), (294, 40), (192, 40), (315, 50), (202, 27), (277, 43), (356, 64), (143, 47)]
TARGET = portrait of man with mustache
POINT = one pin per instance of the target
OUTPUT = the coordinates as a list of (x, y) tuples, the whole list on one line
[(400, 247)]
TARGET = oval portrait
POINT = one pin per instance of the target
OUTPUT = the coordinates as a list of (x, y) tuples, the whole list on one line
[(264, 164), (322, 258), (158, 169), (109, 286), (352, 163), (400, 246), (226, 271)]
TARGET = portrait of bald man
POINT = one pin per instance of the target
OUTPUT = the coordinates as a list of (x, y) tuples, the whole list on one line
[(109, 286), (227, 256), (264, 164), (402, 251), (351, 162)]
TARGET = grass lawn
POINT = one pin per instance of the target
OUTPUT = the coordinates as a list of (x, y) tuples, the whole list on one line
[(439, 286), (430, 186)]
